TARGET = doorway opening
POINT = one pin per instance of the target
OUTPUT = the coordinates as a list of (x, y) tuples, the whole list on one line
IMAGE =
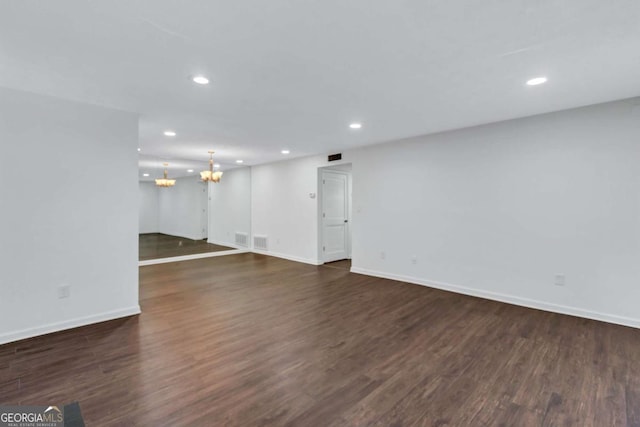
[(334, 213)]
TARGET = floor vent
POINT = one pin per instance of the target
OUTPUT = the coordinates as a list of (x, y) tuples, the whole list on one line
[(260, 242), (242, 239)]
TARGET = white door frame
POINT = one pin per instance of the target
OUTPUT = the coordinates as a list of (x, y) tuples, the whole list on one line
[(349, 209), (204, 214)]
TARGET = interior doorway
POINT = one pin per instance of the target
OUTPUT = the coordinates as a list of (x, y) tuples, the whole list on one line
[(335, 184), (204, 210)]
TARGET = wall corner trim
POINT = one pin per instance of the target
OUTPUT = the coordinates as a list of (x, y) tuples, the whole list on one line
[(68, 324), (509, 299)]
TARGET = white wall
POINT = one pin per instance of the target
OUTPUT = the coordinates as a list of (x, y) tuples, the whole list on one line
[(148, 207), (230, 207), (495, 211), (69, 201), (181, 208), (501, 209), (283, 210)]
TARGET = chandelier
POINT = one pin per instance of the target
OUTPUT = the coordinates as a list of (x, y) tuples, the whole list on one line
[(210, 175), (164, 182)]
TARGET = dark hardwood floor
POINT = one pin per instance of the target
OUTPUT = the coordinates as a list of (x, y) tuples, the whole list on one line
[(157, 245), (249, 340)]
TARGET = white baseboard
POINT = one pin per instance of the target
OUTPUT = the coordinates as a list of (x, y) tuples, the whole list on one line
[(190, 257), (288, 257), (509, 299), (68, 324)]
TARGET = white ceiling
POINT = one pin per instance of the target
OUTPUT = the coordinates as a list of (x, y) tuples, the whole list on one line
[(294, 73)]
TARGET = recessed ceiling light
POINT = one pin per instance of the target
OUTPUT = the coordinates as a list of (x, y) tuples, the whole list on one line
[(536, 81), (139, 149), (239, 161), (169, 133), (217, 165), (189, 170), (145, 174), (201, 80), (285, 151), (355, 125)]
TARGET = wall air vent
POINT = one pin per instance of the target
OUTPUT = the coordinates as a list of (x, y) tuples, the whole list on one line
[(334, 157), (260, 242), (242, 239)]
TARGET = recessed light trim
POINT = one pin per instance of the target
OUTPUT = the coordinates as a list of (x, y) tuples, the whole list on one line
[(355, 125), (217, 165), (201, 80), (145, 174), (190, 170), (536, 81), (169, 133), (285, 151), (239, 161)]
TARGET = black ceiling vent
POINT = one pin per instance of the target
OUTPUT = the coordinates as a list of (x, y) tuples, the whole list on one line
[(334, 157)]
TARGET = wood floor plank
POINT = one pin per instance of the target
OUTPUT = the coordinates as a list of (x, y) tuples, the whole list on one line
[(250, 340)]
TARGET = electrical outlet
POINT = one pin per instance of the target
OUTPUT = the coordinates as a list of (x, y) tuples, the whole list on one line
[(383, 255), (559, 280), (64, 291), (414, 259)]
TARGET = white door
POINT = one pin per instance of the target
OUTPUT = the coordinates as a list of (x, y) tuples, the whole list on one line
[(335, 216), (204, 214)]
